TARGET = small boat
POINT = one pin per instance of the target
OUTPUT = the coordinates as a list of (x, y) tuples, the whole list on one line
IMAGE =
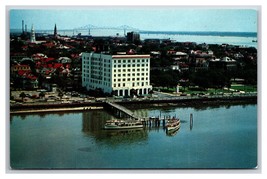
[(173, 124), (172, 132), (123, 124), (254, 41)]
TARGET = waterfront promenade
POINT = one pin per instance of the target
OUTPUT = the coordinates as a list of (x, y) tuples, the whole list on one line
[(163, 100)]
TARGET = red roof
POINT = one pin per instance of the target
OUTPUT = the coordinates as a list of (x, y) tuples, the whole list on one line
[(49, 45), (26, 74), (49, 59), (55, 65)]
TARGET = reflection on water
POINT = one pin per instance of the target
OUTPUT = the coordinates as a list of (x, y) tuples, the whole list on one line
[(216, 137), (119, 137)]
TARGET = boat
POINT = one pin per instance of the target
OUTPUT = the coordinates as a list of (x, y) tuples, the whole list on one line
[(123, 124), (172, 132), (173, 124)]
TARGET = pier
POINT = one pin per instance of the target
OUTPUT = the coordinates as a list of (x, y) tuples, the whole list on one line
[(122, 112)]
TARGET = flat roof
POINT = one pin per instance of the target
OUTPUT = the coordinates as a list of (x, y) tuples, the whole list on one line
[(130, 56)]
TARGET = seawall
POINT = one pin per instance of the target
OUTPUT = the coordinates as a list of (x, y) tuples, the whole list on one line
[(185, 101)]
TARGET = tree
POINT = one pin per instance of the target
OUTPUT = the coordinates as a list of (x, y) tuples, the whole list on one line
[(210, 79), (60, 94), (42, 94), (22, 95)]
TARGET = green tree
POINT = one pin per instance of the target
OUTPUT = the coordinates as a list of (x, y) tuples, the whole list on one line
[(22, 95), (42, 94)]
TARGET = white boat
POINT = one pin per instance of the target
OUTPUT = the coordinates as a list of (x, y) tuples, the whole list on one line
[(123, 124), (173, 124)]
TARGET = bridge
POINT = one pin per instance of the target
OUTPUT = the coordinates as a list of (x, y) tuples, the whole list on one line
[(122, 27), (90, 27)]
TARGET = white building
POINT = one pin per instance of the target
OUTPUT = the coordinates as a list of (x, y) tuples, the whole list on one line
[(116, 74), (32, 38)]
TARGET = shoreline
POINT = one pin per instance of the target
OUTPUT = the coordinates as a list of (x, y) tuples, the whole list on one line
[(184, 102)]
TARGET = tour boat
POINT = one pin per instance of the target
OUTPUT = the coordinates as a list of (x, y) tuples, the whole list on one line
[(173, 124), (123, 124)]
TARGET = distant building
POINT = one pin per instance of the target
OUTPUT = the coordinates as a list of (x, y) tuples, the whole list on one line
[(225, 63), (23, 27), (32, 38), (120, 75), (55, 31), (133, 36)]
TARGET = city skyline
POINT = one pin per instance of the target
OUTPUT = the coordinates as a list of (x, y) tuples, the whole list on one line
[(144, 18)]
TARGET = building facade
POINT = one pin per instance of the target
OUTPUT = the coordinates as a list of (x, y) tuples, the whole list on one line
[(120, 75), (133, 36)]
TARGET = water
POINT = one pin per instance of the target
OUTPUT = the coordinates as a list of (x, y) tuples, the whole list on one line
[(221, 137), (233, 38)]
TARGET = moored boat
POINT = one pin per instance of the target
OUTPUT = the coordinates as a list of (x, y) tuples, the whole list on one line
[(173, 124), (123, 124)]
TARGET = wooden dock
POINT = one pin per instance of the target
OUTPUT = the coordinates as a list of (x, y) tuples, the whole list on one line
[(123, 112)]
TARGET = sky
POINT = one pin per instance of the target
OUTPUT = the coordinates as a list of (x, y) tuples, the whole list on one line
[(142, 18)]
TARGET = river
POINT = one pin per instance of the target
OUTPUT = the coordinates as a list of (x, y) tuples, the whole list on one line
[(219, 137)]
